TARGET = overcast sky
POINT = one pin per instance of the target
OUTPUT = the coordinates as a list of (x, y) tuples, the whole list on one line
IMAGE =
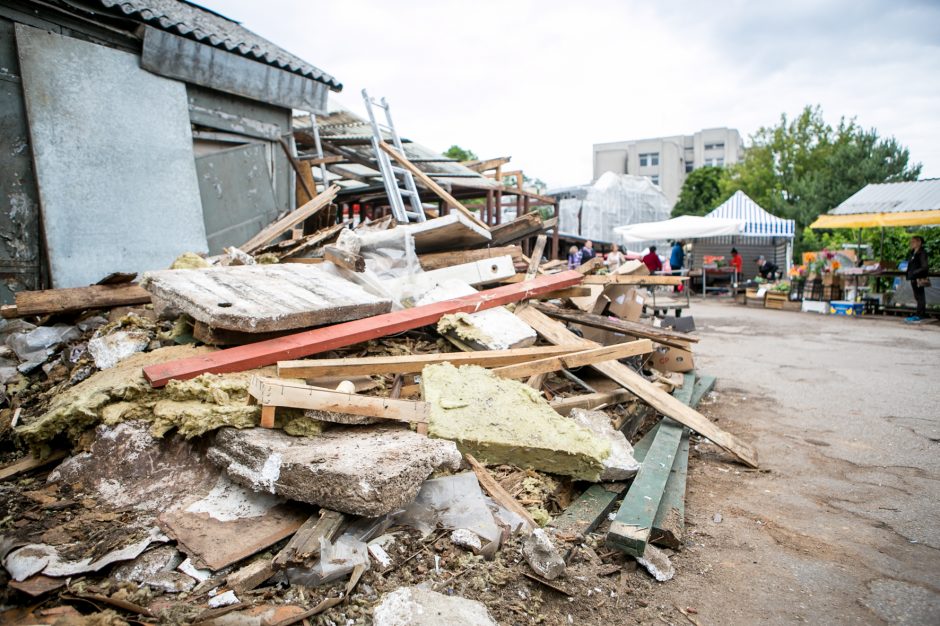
[(542, 81)]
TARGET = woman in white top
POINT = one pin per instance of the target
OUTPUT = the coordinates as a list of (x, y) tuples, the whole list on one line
[(614, 258)]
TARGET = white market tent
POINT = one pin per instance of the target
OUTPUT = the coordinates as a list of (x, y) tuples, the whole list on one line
[(758, 222), (684, 227)]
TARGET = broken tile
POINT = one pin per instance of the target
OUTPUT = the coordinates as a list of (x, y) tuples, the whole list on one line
[(368, 471)]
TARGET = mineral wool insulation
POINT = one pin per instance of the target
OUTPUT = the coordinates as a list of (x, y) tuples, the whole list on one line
[(614, 200)]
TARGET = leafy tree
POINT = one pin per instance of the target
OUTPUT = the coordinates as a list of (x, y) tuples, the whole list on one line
[(804, 167), (701, 192), (460, 154)]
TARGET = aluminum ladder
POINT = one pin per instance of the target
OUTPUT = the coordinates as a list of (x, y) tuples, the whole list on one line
[(391, 172)]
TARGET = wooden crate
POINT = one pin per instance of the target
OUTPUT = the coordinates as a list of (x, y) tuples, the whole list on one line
[(775, 300)]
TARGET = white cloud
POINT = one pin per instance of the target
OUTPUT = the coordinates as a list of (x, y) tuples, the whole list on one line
[(543, 81)]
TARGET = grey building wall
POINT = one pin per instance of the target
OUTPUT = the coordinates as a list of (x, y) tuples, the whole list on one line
[(667, 161)]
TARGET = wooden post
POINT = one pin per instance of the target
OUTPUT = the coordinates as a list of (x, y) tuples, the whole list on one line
[(267, 416), (489, 206), (555, 231)]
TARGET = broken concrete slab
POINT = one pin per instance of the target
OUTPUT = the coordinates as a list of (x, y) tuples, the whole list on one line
[(368, 471), (231, 523), (504, 421), (541, 555), (657, 563), (416, 606), (620, 465), (264, 298), (493, 329), (110, 350)]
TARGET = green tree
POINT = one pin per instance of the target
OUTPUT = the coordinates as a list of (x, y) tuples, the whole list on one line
[(701, 192), (804, 167), (460, 154)]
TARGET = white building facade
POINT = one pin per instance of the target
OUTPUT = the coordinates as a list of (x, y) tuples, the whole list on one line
[(668, 160)]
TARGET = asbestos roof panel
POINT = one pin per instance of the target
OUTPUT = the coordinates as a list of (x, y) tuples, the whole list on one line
[(917, 195), (205, 26)]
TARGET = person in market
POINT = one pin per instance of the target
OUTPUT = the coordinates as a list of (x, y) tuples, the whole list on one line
[(766, 269), (587, 252), (917, 273), (677, 256), (737, 262), (652, 262), (574, 257), (614, 258)]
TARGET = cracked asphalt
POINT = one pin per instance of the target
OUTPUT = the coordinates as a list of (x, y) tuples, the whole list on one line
[(845, 525)]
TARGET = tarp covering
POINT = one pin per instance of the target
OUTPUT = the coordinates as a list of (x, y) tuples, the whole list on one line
[(758, 222), (876, 220), (684, 227), (593, 211)]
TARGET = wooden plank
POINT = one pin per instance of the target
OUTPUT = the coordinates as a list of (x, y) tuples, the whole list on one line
[(308, 210), (28, 464), (51, 301), (413, 363), (454, 231), (304, 546), (592, 264), (344, 259), (703, 385), (327, 160), (294, 247), (631, 279), (575, 359), (536, 257), (496, 491), (522, 226), (591, 400), (319, 340), (664, 336), (427, 182), (630, 531), (437, 260), (570, 292), (669, 522), (309, 188), (485, 165), (664, 403), (587, 512), (272, 392)]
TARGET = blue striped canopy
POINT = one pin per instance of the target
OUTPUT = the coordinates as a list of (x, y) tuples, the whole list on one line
[(758, 222)]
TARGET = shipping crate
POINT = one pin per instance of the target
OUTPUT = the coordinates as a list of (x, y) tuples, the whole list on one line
[(775, 300)]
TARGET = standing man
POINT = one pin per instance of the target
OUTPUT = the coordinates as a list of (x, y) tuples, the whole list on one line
[(652, 262), (917, 270), (677, 256), (587, 252), (737, 262)]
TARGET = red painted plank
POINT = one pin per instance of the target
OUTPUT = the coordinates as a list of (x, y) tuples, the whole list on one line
[(309, 342)]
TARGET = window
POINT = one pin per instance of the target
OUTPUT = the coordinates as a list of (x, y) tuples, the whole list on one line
[(715, 146), (716, 162), (649, 158), (689, 166), (655, 179)]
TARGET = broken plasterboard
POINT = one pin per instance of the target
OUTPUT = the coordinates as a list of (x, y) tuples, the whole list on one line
[(454, 231), (264, 298)]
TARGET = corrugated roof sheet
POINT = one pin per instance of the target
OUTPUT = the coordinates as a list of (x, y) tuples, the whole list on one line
[(759, 223), (205, 26), (917, 195)]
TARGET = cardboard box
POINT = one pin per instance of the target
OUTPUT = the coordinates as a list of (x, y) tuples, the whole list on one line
[(667, 359), (626, 302)]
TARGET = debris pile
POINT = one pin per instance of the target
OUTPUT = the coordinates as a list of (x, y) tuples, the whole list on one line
[(367, 434)]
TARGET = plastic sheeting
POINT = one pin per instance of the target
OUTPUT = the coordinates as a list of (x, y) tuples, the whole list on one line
[(614, 200), (684, 227)]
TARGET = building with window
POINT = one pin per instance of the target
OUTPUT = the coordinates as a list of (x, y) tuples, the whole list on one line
[(668, 160)]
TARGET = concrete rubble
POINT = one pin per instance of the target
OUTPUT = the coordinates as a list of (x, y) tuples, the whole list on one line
[(414, 606)]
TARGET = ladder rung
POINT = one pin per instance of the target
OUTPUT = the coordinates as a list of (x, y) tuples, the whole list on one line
[(406, 192), (399, 170)]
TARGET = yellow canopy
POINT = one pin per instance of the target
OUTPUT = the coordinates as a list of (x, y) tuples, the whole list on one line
[(876, 220)]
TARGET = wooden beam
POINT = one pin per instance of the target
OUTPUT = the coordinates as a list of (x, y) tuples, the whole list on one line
[(591, 400), (632, 279), (327, 160), (587, 512), (703, 385), (28, 464), (345, 334), (437, 260), (344, 258), (536, 257), (496, 491), (556, 333), (413, 363), (631, 529), (570, 292), (592, 264), (304, 546), (427, 182), (50, 301), (272, 392), (664, 336), (298, 169), (576, 359), (486, 165), (293, 218)]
